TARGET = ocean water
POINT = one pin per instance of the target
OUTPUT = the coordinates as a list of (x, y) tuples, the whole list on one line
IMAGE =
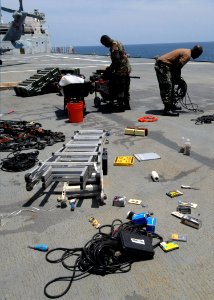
[(150, 50)]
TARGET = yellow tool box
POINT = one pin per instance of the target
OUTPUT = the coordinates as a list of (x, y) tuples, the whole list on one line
[(124, 161)]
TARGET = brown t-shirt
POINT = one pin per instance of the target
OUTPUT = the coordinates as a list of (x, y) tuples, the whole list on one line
[(176, 58)]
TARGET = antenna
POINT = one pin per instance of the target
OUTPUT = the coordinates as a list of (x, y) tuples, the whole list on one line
[(20, 5)]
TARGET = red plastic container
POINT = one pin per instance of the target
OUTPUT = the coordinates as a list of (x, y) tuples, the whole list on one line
[(75, 111)]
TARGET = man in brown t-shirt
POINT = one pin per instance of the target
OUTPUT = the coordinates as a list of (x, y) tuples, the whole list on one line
[(168, 70)]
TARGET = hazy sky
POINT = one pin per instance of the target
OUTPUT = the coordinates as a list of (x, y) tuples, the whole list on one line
[(82, 22)]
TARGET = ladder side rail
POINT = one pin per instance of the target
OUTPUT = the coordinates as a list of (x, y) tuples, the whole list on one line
[(84, 177), (69, 163), (48, 182), (46, 174), (90, 131), (75, 153), (33, 177)]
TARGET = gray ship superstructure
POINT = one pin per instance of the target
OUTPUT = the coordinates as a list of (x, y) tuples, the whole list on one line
[(35, 36)]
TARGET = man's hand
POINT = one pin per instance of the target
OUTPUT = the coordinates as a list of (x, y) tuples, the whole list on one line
[(107, 73)]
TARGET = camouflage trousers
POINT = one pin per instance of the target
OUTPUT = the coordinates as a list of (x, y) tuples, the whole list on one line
[(165, 80), (119, 87)]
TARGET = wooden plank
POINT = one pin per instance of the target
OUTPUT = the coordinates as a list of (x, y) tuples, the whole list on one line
[(8, 85)]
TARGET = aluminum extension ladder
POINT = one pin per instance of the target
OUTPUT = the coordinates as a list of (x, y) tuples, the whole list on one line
[(80, 164)]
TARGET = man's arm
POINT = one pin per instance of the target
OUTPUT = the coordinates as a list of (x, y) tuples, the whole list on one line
[(184, 58), (115, 57)]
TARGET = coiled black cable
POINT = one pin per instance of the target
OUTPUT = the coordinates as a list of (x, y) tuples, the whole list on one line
[(204, 119), (181, 95), (102, 255), (19, 161)]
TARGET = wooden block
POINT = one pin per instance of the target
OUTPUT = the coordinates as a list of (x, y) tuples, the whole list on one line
[(8, 85)]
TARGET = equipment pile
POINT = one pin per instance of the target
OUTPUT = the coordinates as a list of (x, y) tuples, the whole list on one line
[(16, 136), (20, 135), (106, 253)]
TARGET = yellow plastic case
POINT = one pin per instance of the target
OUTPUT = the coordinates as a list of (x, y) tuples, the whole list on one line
[(124, 161), (173, 194), (169, 246)]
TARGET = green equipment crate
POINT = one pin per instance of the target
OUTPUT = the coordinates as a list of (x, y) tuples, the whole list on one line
[(42, 82)]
